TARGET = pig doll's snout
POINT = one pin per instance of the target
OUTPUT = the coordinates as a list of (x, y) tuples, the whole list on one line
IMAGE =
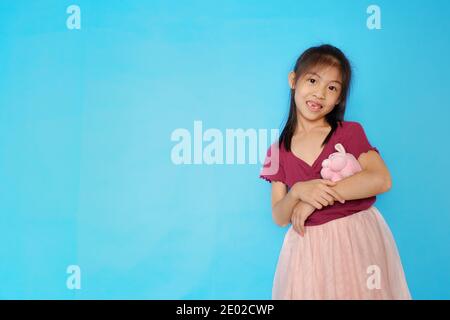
[(338, 163)]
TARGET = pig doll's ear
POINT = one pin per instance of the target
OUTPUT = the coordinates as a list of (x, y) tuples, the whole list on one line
[(339, 147)]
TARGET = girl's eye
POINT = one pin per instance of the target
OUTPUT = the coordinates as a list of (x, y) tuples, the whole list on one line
[(312, 80), (333, 88)]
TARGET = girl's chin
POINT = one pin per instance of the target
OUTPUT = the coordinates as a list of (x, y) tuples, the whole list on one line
[(311, 115)]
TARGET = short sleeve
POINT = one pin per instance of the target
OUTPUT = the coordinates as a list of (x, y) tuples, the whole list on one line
[(272, 169), (356, 141)]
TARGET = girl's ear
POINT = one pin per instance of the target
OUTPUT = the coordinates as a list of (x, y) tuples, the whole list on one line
[(291, 79)]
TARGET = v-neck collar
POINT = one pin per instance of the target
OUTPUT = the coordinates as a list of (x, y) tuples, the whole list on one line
[(313, 165)]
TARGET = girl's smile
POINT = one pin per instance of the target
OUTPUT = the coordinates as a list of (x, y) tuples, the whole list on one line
[(314, 106)]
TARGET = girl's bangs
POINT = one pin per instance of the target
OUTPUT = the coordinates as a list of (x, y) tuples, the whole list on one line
[(321, 61)]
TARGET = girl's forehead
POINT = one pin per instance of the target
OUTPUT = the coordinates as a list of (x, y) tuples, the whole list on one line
[(328, 72), (325, 70)]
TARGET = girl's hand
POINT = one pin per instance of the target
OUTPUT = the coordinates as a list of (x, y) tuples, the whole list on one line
[(317, 192), (299, 215)]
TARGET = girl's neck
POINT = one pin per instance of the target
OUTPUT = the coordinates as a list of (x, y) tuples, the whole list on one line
[(305, 125)]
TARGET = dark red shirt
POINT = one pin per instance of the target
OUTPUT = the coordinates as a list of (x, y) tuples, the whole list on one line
[(289, 169)]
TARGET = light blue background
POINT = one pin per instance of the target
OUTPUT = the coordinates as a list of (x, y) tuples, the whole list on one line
[(86, 115)]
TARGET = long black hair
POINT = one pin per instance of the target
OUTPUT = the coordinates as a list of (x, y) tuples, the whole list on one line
[(323, 55)]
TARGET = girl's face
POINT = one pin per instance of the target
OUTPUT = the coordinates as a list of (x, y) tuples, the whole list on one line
[(317, 91)]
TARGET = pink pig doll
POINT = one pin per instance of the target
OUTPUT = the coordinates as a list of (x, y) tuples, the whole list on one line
[(339, 165)]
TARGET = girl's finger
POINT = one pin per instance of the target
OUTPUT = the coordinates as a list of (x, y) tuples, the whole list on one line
[(322, 201), (336, 195), (299, 231), (297, 228), (316, 205), (329, 193), (333, 193), (329, 182), (327, 197), (302, 227), (294, 224)]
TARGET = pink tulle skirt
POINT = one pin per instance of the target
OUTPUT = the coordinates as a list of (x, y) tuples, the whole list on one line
[(354, 257)]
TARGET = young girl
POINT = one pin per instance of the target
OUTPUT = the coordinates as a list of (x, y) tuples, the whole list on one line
[(338, 245)]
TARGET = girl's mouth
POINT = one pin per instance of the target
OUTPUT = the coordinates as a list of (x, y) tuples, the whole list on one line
[(314, 107)]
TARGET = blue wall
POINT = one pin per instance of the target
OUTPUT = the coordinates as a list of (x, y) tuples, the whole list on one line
[(86, 118)]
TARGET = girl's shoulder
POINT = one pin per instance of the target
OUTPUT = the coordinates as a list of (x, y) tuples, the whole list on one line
[(350, 127), (353, 137), (350, 124), (276, 147)]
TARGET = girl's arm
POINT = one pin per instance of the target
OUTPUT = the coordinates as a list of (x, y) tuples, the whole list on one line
[(283, 203), (301, 212), (372, 180), (318, 191)]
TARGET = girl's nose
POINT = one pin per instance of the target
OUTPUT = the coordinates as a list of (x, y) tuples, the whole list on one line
[(320, 93)]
